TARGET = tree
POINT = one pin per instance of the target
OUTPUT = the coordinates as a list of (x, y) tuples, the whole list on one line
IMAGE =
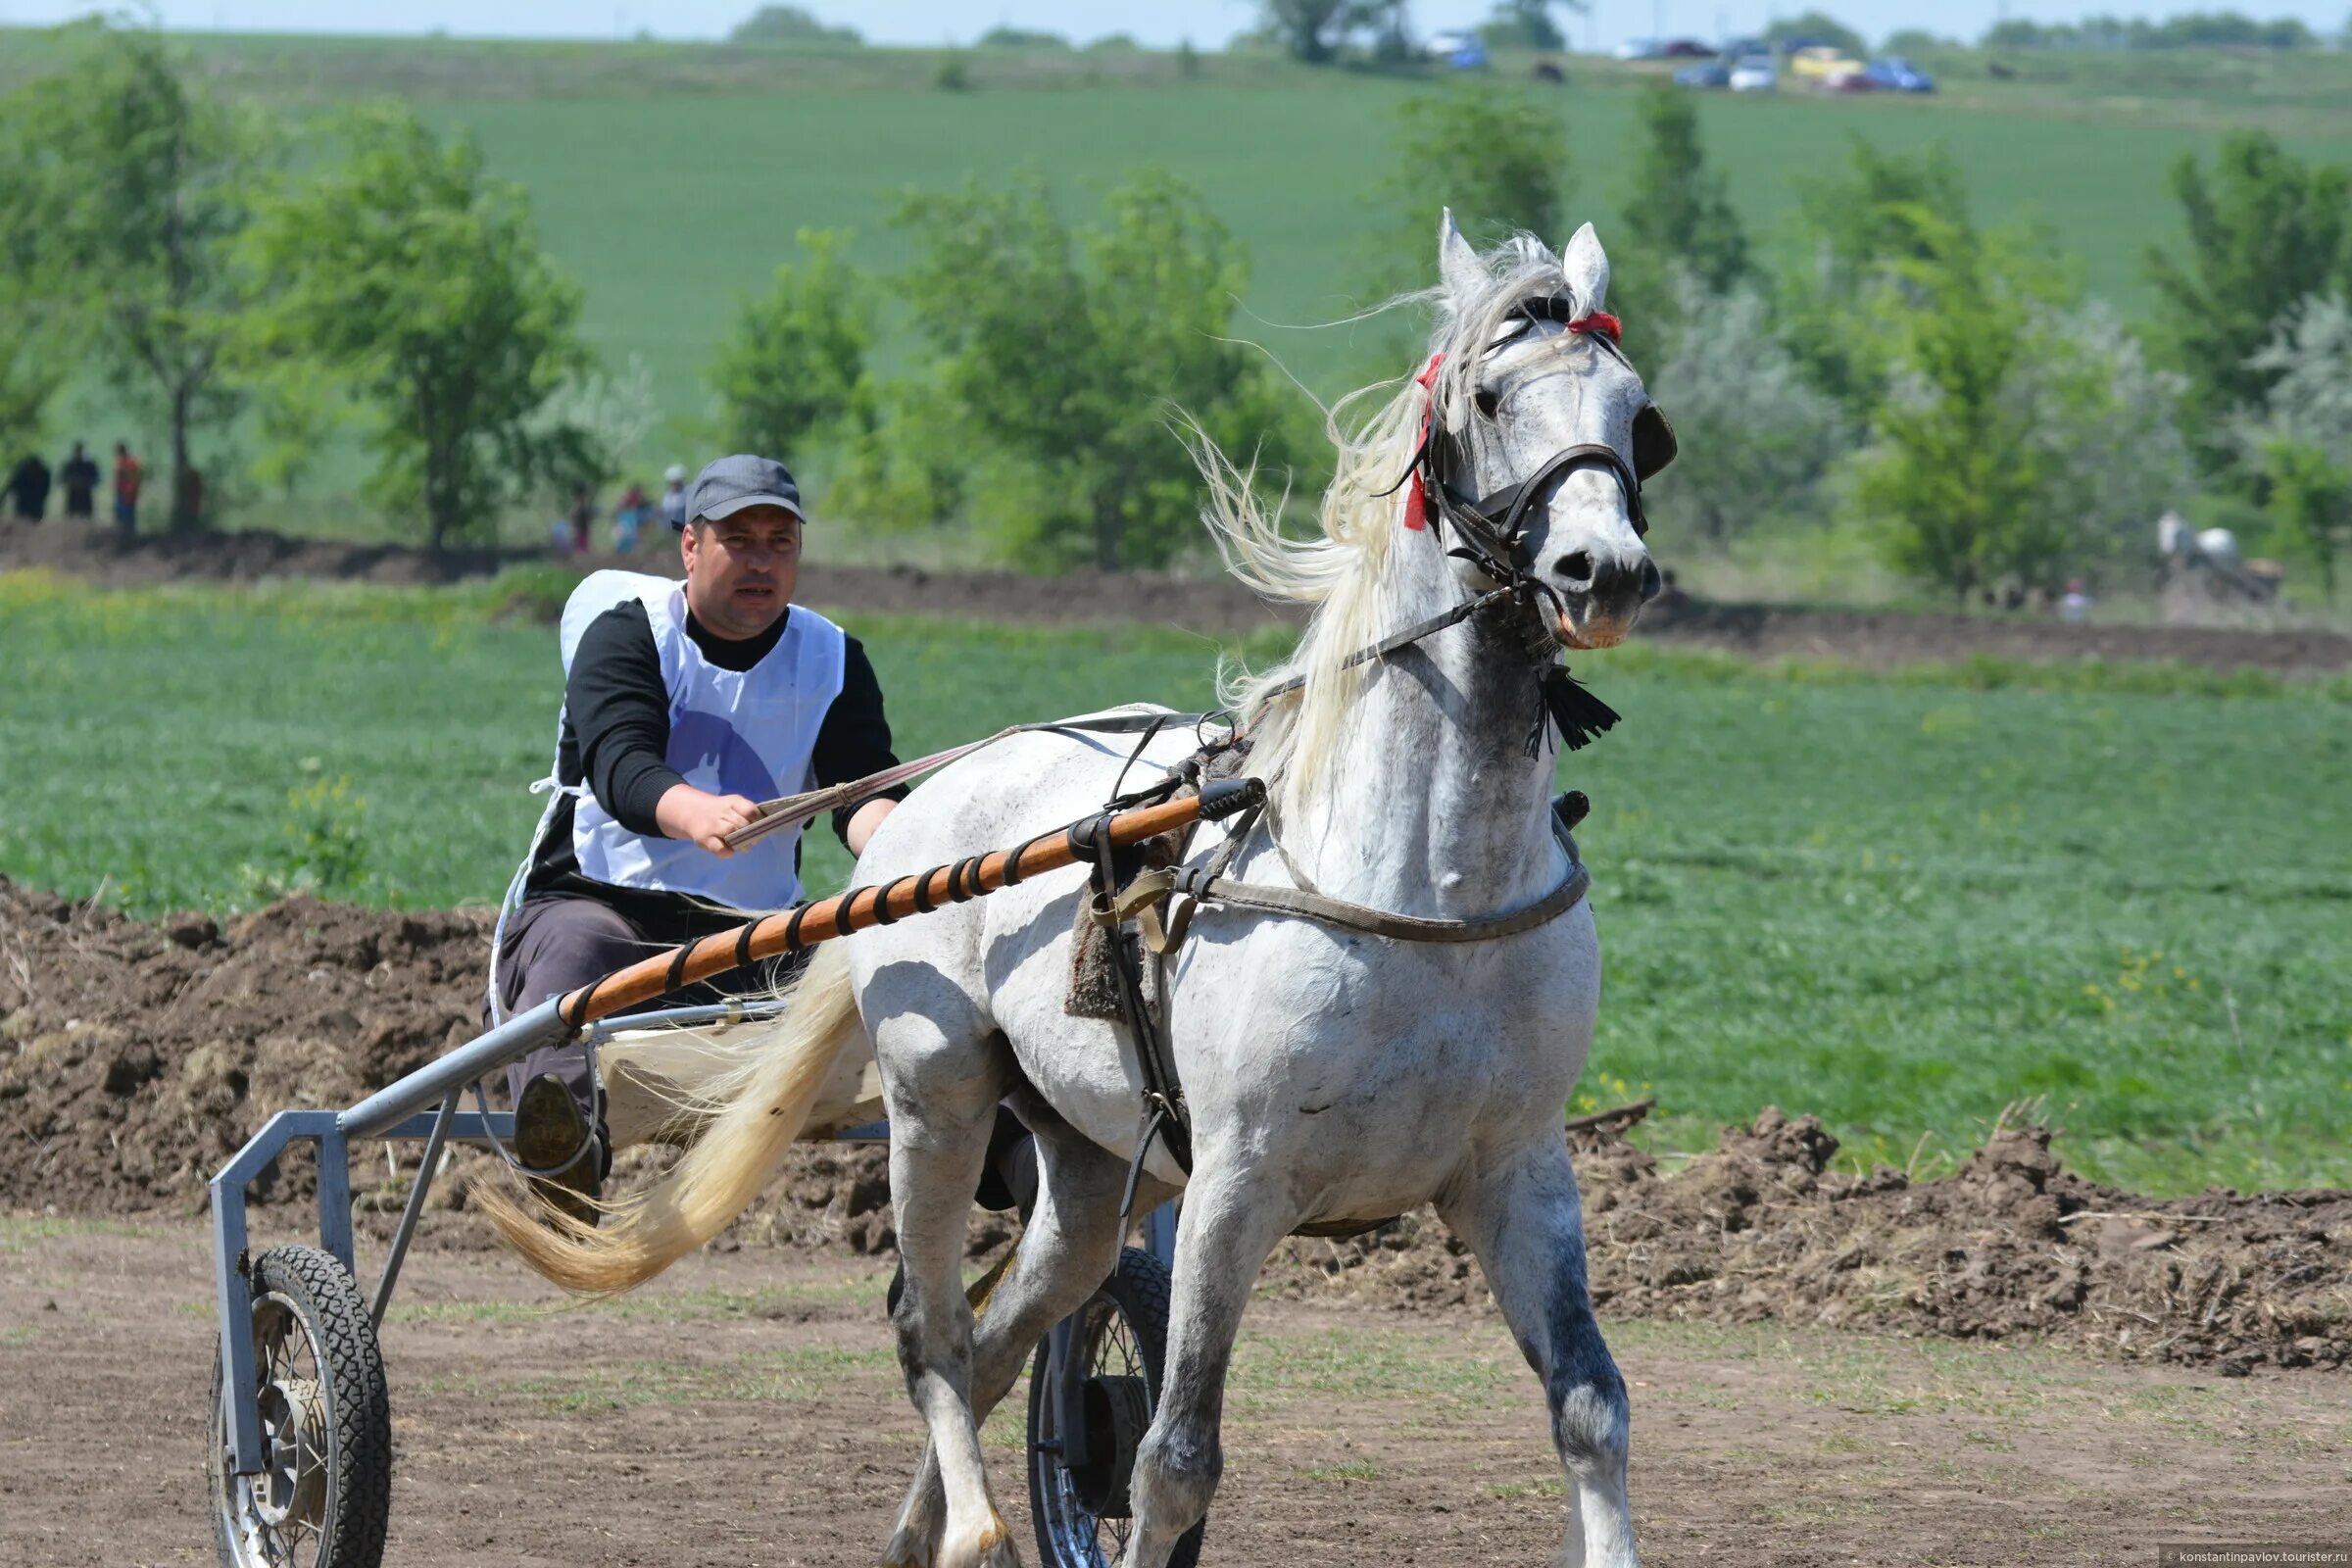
[(2264, 231), (1815, 27), (1023, 39), (1058, 358), (591, 422), (2298, 444), (1499, 159), (1756, 435), (1954, 475), (1918, 41), (421, 279), (1528, 24), (1310, 29), (789, 24), (794, 373), (139, 184), (1681, 211), (35, 325), (2108, 424), (1315, 30), (1850, 230), (2310, 502)]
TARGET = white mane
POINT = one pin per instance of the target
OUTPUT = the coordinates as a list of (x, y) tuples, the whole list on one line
[(1344, 570)]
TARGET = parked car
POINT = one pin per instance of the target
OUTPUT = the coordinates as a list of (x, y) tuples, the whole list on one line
[(1755, 74), (1685, 49), (1461, 50), (1841, 80), (1819, 60), (1898, 74), (1637, 49), (1706, 74), (1736, 50)]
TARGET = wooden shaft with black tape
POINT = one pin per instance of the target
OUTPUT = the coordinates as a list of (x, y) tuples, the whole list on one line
[(808, 924)]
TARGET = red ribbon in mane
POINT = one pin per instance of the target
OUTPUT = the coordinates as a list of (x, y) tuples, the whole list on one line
[(1416, 495)]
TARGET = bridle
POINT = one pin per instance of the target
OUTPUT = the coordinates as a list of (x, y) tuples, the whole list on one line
[(1490, 529), (1493, 527)]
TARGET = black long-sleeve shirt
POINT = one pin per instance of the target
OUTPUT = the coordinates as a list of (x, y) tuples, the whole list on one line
[(616, 740)]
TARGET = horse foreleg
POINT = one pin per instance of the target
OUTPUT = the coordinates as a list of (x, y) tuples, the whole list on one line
[(942, 1101), (1526, 1223), (1227, 1229)]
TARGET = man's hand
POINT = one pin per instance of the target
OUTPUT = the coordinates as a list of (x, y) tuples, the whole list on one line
[(864, 820), (701, 818)]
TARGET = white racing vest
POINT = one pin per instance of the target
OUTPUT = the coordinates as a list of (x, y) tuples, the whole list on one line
[(751, 732)]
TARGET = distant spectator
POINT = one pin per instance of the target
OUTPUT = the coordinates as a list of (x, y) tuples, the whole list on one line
[(2074, 606), (627, 519), (129, 477), (674, 498), (79, 476), (583, 514), (28, 489)]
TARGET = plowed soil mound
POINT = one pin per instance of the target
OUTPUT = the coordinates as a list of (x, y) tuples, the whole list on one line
[(2009, 1243), (135, 1057)]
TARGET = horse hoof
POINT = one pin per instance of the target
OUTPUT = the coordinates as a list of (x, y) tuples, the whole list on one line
[(906, 1551), (992, 1547)]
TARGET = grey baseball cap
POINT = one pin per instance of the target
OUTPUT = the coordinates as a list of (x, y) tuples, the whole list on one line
[(730, 484)]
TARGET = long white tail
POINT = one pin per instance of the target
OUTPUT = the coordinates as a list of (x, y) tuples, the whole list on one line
[(759, 1107)]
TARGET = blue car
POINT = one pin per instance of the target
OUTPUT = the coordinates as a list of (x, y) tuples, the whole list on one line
[(1706, 74), (1894, 73)]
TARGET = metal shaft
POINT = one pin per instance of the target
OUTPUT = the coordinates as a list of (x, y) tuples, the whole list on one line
[(860, 907)]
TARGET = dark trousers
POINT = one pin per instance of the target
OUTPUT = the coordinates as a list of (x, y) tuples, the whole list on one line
[(555, 943)]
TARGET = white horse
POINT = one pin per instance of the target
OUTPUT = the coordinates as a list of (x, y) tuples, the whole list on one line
[(1330, 1076)]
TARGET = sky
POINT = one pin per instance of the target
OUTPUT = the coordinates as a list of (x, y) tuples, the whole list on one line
[(1161, 23)]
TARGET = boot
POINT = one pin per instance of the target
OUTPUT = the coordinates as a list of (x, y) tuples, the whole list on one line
[(549, 1132)]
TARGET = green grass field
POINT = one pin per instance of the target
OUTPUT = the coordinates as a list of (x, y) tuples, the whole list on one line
[(1900, 901), (618, 184), (632, 150)]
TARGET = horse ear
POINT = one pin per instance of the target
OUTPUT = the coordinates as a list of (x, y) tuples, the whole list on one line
[(1465, 275), (1654, 445), (1585, 267)]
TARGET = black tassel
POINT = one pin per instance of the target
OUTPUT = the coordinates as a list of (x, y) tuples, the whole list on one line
[(1578, 714)]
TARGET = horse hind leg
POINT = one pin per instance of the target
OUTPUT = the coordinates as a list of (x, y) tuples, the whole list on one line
[(1067, 1248), (1526, 1223), (941, 1076)]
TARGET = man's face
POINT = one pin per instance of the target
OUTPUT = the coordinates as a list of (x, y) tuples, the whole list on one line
[(741, 570)]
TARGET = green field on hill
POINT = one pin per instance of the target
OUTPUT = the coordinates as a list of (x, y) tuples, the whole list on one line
[(1902, 900), (670, 178), (670, 212)]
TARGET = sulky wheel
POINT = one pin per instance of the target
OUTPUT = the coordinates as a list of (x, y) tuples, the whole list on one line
[(1116, 1355), (326, 1488)]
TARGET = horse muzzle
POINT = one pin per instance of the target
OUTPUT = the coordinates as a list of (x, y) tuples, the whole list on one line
[(1601, 595)]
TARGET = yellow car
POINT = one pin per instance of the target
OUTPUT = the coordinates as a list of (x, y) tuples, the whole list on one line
[(1820, 61)]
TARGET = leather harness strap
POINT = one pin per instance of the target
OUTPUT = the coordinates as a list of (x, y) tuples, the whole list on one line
[(1208, 885)]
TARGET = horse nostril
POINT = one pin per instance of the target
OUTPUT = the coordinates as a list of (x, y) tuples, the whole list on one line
[(1577, 569), (1652, 582)]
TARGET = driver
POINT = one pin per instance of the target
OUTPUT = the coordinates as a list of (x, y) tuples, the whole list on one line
[(684, 705)]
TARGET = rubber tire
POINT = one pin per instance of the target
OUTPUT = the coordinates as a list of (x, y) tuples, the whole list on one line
[(334, 1316), (1139, 1288)]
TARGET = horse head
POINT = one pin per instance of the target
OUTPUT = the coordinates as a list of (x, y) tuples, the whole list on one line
[(1541, 433)]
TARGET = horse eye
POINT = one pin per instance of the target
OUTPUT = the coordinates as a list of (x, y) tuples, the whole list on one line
[(1487, 400)]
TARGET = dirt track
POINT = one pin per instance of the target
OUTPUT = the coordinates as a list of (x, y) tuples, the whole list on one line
[(747, 1410), (135, 1057), (1210, 607)]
